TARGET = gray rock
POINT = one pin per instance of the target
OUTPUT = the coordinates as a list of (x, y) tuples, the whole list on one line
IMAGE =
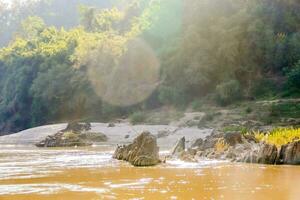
[(77, 127), (63, 139), (267, 154), (233, 138), (142, 152), (179, 147), (162, 134), (111, 125), (127, 136), (93, 137), (290, 154), (197, 143)]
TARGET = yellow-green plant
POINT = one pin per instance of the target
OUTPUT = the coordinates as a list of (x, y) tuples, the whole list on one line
[(279, 136)]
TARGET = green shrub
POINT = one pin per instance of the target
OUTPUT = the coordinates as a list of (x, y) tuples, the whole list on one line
[(232, 128), (291, 109), (228, 92), (249, 110), (293, 79), (171, 95), (263, 88), (137, 117), (197, 105)]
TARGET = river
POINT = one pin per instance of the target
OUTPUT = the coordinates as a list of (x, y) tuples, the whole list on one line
[(90, 173)]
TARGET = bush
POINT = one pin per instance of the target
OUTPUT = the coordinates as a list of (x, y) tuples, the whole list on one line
[(197, 105), (288, 110), (248, 110), (137, 117), (293, 79), (170, 95), (228, 92), (263, 88)]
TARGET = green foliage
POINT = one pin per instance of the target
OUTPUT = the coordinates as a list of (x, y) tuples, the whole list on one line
[(248, 110), (232, 128), (224, 49), (293, 82), (45, 70), (228, 92), (197, 105), (291, 110), (137, 117)]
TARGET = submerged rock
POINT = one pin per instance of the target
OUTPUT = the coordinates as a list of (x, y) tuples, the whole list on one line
[(142, 152)]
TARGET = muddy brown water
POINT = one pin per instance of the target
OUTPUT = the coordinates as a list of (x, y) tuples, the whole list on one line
[(91, 173)]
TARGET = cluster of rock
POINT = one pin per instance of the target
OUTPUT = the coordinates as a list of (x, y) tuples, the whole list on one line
[(76, 134), (142, 152), (236, 147)]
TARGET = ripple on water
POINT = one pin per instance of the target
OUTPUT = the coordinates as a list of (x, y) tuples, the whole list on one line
[(46, 189), (19, 164)]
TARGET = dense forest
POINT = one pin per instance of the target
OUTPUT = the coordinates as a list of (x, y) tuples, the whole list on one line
[(95, 60)]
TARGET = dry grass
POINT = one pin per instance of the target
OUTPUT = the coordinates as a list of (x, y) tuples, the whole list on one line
[(221, 145)]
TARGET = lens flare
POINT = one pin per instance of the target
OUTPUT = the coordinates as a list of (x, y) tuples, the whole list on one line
[(131, 79)]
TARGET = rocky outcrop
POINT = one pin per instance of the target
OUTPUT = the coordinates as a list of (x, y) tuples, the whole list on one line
[(289, 154), (77, 127), (142, 152), (236, 147), (76, 134), (267, 154), (233, 138)]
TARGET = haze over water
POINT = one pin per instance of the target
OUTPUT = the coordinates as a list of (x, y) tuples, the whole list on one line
[(91, 173)]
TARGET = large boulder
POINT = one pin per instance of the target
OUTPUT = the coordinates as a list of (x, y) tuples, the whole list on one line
[(179, 147), (142, 152), (290, 154)]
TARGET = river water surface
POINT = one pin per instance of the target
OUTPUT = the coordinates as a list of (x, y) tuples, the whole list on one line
[(91, 173)]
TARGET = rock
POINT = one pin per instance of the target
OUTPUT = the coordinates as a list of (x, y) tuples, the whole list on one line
[(111, 125), (187, 157), (197, 143), (62, 139), (267, 154), (127, 136), (290, 154), (250, 157), (233, 138), (251, 138), (142, 152), (93, 137), (162, 134), (179, 147), (74, 135), (77, 127)]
